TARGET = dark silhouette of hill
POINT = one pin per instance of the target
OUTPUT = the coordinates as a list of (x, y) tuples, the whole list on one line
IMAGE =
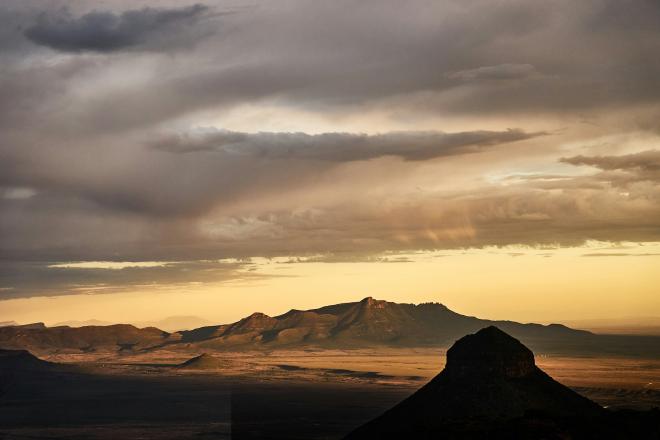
[(19, 363), (202, 362), (491, 388), (21, 360)]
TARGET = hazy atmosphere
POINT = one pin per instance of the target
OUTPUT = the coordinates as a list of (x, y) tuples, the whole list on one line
[(212, 159)]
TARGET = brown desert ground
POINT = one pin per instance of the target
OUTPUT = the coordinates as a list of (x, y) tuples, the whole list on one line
[(295, 394)]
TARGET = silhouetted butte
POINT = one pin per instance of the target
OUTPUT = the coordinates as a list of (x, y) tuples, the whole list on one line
[(492, 388)]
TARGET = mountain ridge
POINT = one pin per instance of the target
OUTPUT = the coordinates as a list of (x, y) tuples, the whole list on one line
[(366, 323)]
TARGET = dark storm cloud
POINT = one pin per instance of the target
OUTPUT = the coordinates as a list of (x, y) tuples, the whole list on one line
[(103, 31), (342, 147), (481, 57)]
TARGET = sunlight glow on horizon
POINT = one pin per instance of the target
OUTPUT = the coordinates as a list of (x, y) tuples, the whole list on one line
[(529, 284)]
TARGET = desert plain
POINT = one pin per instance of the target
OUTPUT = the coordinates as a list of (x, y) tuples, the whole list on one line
[(295, 394)]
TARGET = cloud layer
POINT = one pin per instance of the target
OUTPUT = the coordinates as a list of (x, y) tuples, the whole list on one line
[(341, 147), (185, 132)]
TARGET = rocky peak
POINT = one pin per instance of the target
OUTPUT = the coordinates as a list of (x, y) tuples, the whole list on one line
[(373, 303), (258, 315), (256, 321), (489, 352)]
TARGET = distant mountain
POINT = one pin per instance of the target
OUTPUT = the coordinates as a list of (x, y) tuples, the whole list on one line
[(620, 326), (89, 322), (32, 325), (491, 388), (115, 338), (176, 323), (170, 324), (367, 323), (8, 323)]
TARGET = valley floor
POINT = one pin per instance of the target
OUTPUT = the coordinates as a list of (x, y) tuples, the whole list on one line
[(297, 394)]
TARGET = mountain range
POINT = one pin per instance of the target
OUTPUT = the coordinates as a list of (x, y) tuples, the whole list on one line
[(366, 323), (170, 324)]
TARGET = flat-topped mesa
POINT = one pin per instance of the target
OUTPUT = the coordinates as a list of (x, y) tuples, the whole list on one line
[(489, 352)]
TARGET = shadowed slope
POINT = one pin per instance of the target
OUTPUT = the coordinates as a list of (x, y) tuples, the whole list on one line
[(492, 388), (19, 364), (14, 360), (202, 362)]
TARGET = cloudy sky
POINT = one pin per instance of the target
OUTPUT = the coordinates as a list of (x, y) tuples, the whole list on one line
[(213, 158)]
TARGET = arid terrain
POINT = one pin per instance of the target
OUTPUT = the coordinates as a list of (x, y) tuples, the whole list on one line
[(340, 367), (390, 366), (303, 394)]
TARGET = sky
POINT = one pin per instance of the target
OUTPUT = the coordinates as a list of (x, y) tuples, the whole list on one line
[(162, 158)]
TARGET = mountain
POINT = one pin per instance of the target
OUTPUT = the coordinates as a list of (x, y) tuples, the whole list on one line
[(491, 388), (113, 338), (202, 362), (89, 322), (170, 324), (176, 323), (32, 325), (8, 323), (365, 323)]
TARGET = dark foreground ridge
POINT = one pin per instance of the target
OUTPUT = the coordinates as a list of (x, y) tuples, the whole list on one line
[(21, 360), (492, 388)]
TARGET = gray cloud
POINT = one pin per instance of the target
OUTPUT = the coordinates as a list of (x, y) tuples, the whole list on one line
[(647, 161), (25, 279), (557, 211), (342, 147), (140, 181), (103, 31), (346, 64), (496, 73)]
